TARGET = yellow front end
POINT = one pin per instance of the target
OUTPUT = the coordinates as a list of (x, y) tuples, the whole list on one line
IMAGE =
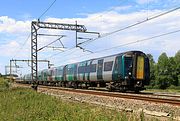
[(140, 68)]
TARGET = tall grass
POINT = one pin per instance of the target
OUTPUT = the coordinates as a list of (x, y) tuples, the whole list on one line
[(19, 104), (4, 84), (26, 105)]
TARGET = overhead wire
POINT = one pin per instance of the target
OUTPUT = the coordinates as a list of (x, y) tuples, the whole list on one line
[(108, 10), (30, 34), (63, 52), (26, 40), (149, 38), (83, 42), (132, 25), (50, 43), (129, 26), (47, 9)]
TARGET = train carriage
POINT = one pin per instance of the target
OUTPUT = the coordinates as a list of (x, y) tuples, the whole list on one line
[(123, 72)]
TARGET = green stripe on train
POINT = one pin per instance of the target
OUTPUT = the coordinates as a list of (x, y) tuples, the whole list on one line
[(70, 78)]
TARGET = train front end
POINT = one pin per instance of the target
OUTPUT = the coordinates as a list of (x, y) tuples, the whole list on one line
[(136, 70)]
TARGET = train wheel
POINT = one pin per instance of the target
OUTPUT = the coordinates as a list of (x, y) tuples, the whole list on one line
[(86, 85), (122, 89), (136, 91), (75, 85), (109, 87)]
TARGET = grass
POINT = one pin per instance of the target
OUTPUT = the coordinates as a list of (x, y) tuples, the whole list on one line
[(26, 105), (19, 104), (4, 84), (163, 90), (171, 89)]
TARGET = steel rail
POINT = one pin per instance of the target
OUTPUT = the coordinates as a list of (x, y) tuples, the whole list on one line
[(115, 94), (118, 95)]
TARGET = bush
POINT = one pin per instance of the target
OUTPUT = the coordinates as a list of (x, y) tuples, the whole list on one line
[(174, 87), (156, 87), (4, 84)]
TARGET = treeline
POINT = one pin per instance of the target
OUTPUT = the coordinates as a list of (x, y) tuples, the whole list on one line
[(166, 72)]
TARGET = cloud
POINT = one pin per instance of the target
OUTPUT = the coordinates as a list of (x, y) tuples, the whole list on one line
[(103, 22), (145, 1), (10, 25), (120, 8), (9, 49)]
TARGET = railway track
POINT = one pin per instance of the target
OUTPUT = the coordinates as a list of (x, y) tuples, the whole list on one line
[(167, 95), (143, 97), (156, 94)]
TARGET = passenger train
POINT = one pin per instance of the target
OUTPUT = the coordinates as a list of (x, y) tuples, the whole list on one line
[(128, 71)]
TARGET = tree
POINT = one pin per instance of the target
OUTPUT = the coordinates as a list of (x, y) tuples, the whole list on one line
[(177, 57), (162, 72), (152, 70), (173, 71), (177, 61)]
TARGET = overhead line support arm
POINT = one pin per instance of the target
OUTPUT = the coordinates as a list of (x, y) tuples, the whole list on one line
[(35, 26)]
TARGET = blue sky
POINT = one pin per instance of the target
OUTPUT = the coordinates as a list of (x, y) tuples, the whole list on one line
[(103, 16), (21, 9)]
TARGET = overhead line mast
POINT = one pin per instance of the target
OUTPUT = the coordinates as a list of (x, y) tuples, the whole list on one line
[(35, 26)]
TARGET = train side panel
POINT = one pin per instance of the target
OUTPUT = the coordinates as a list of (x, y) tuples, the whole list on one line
[(59, 73), (82, 66), (118, 69), (93, 70), (71, 72), (108, 68)]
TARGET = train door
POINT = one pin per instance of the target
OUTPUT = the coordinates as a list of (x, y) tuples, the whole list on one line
[(45, 75), (87, 70), (108, 68), (118, 69), (100, 70), (65, 73), (75, 71), (50, 74), (93, 70), (128, 66)]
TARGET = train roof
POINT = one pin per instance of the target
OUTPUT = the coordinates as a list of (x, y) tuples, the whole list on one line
[(128, 52)]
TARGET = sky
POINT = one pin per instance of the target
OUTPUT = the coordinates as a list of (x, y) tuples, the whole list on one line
[(103, 16)]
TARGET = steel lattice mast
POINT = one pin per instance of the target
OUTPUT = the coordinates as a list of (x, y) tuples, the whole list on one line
[(35, 26)]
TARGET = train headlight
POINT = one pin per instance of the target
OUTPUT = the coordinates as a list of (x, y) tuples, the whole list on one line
[(129, 73), (138, 83)]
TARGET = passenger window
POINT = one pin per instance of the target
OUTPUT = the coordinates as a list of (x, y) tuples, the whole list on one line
[(87, 69), (93, 68), (70, 70), (81, 69), (108, 66), (59, 72)]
